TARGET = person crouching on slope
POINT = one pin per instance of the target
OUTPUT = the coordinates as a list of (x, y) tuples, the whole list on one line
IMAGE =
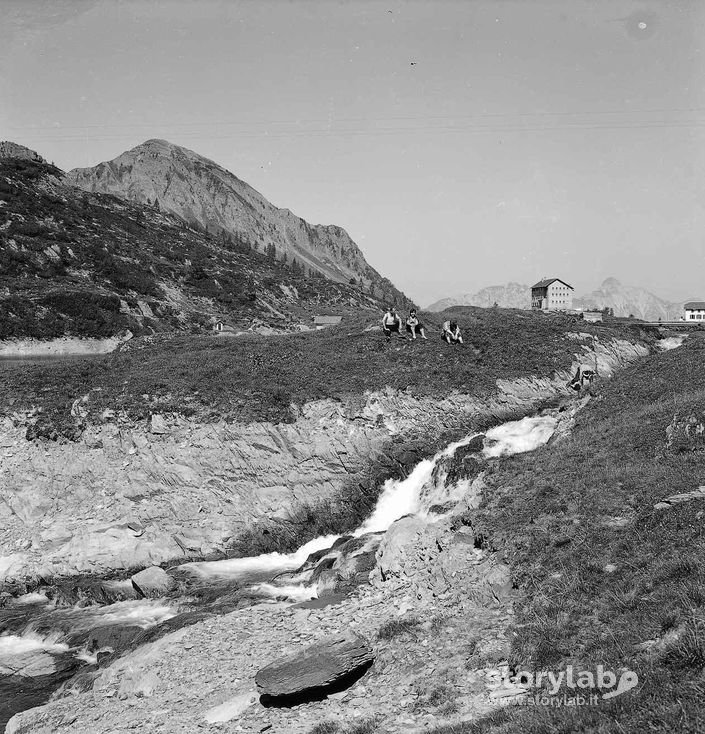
[(451, 333), (414, 326), (391, 322)]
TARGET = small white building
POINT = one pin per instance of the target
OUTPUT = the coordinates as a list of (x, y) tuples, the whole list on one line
[(552, 294), (694, 311), (320, 322), (222, 327)]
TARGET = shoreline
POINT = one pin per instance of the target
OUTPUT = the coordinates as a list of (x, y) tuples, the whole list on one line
[(60, 347)]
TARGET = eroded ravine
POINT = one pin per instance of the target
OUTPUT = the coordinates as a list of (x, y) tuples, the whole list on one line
[(420, 494), (57, 641)]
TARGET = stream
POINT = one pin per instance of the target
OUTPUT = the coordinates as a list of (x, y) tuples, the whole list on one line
[(44, 641)]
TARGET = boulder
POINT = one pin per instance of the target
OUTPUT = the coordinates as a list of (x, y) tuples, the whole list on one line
[(158, 424), (398, 543), (323, 666), (153, 581)]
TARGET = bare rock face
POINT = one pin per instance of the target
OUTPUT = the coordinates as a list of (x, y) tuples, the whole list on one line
[(153, 581), (8, 149), (325, 665)]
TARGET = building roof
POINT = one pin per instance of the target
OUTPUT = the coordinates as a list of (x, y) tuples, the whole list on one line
[(694, 304), (327, 319), (545, 283)]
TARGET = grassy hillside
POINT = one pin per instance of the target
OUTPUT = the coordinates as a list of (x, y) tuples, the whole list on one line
[(81, 264), (606, 576), (257, 378)]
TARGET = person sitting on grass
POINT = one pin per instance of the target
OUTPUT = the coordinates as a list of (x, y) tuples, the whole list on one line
[(451, 333), (391, 323), (414, 326)]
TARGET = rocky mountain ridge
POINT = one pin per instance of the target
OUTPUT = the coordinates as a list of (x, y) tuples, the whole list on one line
[(208, 196), (511, 295)]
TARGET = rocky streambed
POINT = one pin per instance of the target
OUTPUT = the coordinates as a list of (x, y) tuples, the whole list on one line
[(371, 564)]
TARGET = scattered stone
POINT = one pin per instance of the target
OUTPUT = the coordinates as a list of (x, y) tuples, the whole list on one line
[(675, 499), (231, 708), (326, 664)]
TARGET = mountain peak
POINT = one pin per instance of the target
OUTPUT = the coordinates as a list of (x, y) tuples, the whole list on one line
[(155, 145), (209, 197)]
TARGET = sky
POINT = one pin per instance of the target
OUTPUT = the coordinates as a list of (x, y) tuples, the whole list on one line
[(461, 144)]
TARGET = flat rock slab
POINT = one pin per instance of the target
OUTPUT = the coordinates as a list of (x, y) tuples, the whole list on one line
[(324, 665)]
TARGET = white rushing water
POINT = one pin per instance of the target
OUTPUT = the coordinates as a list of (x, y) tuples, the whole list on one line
[(11, 645), (30, 653), (239, 568), (671, 342), (399, 497), (517, 437)]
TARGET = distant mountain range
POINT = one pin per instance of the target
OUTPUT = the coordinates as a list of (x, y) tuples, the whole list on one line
[(207, 196), (630, 300), (511, 295), (624, 299)]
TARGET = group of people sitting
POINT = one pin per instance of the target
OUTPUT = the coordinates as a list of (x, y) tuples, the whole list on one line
[(392, 324)]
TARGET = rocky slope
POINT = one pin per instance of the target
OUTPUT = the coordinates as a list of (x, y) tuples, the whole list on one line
[(203, 193), (629, 300), (80, 264)]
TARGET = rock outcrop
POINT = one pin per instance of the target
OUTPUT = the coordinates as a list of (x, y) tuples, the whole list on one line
[(153, 582), (8, 149)]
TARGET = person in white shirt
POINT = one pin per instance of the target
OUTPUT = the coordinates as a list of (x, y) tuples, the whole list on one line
[(391, 323)]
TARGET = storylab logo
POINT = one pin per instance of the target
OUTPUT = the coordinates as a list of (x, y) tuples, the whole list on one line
[(571, 687)]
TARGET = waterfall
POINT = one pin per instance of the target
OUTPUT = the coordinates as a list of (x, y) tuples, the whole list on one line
[(414, 494)]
